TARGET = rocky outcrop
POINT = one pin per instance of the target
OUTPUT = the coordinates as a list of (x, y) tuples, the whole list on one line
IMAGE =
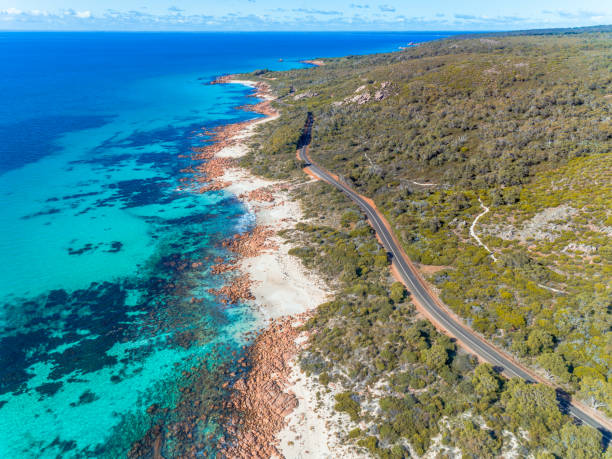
[(264, 194), (305, 95), (364, 94), (315, 62), (545, 225), (384, 91), (202, 176), (214, 186), (223, 79), (220, 137), (223, 268), (263, 108), (215, 168), (248, 244), (252, 243), (260, 401), (239, 289)]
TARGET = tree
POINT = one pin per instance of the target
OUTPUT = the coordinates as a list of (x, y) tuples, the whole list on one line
[(345, 401), (398, 292), (509, 318), (597, 393), (579, 442), (540, 341), (486, 381), (555, 364), (476, 442), (534, 407), (436, 356)]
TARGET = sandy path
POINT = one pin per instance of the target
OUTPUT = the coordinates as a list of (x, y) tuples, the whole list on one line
[(473, 232)]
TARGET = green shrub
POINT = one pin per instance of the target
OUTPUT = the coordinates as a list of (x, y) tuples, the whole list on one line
[(346, 403)]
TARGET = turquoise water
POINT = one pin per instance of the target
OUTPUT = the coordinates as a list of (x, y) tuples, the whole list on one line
[(108, 337), (84, 355)]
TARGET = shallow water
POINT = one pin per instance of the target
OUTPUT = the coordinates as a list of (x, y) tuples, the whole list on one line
[(106, 326)]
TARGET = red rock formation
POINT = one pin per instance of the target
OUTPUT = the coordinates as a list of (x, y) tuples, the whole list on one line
[(252, 243), (248, 244), (223, 79), (214, 168), (260, 401), (222, 137), (264, 194), (214, 186), (238, 289), (223, 267)]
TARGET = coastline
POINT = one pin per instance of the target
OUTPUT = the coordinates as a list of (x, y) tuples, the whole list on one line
[(314, 62), (273, 409)]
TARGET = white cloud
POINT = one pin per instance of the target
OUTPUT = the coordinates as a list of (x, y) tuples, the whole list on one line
[(387, 8), (580, 14), (496, 21), (374, 17), (11, 11), (313, 11)]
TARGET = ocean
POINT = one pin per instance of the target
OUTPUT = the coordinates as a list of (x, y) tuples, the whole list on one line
[(109, 337)]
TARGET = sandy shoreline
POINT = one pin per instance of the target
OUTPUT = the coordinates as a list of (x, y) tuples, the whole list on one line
[(281, 285), (278, 403)]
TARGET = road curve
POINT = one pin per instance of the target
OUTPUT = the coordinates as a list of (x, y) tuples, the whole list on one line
[(431, 305)]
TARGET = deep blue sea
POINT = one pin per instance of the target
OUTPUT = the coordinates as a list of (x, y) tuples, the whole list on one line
[(109, 341)]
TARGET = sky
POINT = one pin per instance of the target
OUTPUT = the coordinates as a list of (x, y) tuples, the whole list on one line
[(304, 15)]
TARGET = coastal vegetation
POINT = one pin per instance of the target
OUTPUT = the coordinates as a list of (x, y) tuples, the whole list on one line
[(392, 371), (520, 124)]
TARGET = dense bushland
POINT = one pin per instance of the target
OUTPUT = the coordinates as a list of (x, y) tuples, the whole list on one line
[(521, 124)]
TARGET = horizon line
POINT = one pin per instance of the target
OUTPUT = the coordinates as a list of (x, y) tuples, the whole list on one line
[(457, 31), (257, 31)]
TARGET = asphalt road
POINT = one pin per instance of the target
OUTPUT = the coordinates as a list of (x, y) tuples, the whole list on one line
[(417, 288)]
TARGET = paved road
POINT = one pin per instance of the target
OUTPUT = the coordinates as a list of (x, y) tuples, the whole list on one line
[(417, 288)]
